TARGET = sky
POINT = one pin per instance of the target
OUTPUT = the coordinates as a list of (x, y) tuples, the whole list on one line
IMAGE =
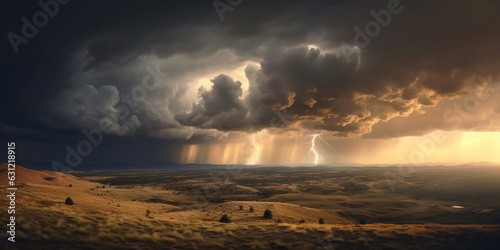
[(250, 82)]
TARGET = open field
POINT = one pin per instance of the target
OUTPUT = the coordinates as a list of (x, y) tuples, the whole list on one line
[(357, 206)]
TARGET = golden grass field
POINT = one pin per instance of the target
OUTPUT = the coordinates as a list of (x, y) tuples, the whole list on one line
[(115, 217)]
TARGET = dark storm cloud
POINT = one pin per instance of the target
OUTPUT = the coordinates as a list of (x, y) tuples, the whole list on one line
[(76, 70), (220, 107), (414, 62)]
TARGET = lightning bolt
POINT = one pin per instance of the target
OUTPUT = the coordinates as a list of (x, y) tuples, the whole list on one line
[(257, 151), (313, 148)]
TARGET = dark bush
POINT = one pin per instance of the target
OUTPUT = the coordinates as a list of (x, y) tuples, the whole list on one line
[(268, 214), (251, 209), (68, 201), (279, 221), (362, 222), (321, 221), (225, 219), (302, 221), (70, 185), (241, 207)]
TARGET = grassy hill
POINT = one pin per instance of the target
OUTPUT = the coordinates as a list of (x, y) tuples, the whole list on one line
[(109, 217)]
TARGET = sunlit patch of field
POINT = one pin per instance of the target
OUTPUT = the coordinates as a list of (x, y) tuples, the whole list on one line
[(239, 212)]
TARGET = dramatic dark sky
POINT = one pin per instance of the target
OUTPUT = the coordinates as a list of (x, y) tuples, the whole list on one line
[(173, 79)]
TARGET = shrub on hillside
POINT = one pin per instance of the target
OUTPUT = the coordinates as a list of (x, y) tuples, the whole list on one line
[(225, 219), (268, 214), (68, 201)]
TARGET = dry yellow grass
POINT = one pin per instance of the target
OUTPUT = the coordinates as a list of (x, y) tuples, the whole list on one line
[(96, 221)]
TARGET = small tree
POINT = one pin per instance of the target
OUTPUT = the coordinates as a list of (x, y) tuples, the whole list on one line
[(321, 221), (251, 209), (68, 201), (241, 207), (225, 219), (147, 213), (268, 214)]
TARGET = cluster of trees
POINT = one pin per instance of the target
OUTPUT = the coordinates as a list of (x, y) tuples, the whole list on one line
[(353, 187)]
